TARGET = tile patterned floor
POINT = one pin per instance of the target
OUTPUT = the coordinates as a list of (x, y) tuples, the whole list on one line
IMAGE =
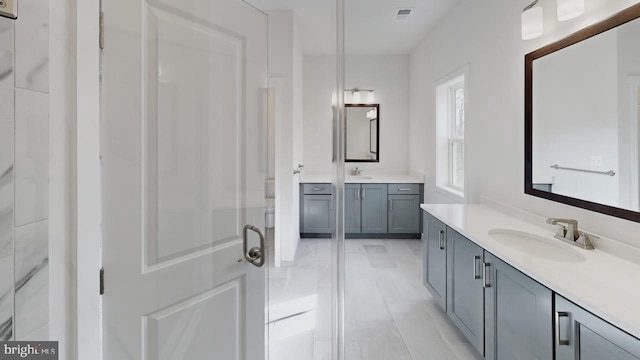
[(389, 313)]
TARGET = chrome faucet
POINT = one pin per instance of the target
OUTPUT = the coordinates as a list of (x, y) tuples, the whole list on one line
[(355, 171), (570, 233)]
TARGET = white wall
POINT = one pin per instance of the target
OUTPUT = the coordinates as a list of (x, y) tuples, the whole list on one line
[(487, 35), (285, 65), (576, 119), (388, 75)]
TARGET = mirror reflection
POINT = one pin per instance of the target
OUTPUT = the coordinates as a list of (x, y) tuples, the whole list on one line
[(362, 132), (586, 101)]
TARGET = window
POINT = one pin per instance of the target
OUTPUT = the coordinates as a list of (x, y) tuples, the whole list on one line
[(450, 126)]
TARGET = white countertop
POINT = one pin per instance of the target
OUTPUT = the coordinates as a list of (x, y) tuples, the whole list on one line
[(366, 179), (606, 285)]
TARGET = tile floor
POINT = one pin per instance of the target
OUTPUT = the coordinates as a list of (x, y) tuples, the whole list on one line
[(389, 313)]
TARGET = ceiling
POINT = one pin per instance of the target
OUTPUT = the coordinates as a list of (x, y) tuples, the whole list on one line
[(369, 24)]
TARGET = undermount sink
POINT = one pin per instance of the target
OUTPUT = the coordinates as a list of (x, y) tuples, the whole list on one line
[(537, 246)]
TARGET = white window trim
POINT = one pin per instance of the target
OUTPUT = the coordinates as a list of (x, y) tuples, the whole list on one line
[(443, 87)]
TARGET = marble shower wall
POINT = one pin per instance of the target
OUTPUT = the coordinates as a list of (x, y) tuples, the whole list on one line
[(24, 173)]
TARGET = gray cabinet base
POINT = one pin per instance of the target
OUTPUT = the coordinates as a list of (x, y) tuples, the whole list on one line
[(383, 236), (362, 236)]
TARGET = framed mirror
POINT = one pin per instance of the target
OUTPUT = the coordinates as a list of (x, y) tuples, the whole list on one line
[(582, 106), (362, 133)]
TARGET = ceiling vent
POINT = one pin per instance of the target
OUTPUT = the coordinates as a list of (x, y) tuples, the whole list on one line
[(402, 14)]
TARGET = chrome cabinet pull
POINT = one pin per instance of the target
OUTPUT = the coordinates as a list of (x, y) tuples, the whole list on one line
[(317, 189), (485, 276), (364, 193), (358, 194), (559, 340), (255, 255), (441, 238), (403, 189), (390, 204), (476, 264)]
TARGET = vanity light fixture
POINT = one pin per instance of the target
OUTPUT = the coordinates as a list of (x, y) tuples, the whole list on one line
[(532, 21), (357, 96), (570, 9)]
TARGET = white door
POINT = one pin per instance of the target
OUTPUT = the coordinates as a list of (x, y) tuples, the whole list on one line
[(183, 171)]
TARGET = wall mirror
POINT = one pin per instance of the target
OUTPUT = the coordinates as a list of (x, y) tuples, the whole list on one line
[(582, 106), (362, 133)]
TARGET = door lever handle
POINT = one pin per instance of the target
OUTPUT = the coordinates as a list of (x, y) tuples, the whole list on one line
[(255, 255)]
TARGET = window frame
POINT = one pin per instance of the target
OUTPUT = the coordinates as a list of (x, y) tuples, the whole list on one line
[(446, 137)]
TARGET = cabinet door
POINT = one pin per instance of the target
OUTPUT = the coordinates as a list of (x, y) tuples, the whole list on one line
[(465, 292), (436, 259), (404, 214), (374, 208), (317, 214), (581, 335), (518, 314), (352, 208)]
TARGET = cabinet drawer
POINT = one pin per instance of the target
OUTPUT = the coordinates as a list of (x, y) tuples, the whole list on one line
[(404, 189), (317, 189)]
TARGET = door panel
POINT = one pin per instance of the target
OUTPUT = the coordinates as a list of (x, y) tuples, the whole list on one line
[(436, 266), (583, 336), (317, 214), (374, 208), (352, 206), (404, 214), (182, 145), (518, 315), (199, 315), (188, 135), (465, 293)]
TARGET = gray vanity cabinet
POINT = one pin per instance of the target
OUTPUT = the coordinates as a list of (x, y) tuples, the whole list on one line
[(581, 335), (465, 293), (352, 206), (374, 208), (518, 314), (435, 253), (404, 214)]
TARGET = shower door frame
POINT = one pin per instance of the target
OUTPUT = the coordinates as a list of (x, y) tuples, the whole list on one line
[(87, 220)]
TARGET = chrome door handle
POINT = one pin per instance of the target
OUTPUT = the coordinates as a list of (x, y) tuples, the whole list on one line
[(358, 194), (440, 239), (255, 255), (559, 340), (476, 264), (403, 189), (485, 276), (390, 205)]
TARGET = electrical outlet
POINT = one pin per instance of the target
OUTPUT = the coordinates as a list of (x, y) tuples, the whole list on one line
[(9, 8)]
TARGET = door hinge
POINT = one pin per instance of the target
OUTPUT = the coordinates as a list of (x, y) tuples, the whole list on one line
[(101, 36), (101, 281)]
